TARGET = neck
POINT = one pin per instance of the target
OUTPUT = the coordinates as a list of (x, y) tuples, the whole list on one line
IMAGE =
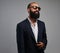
[(32, 19)]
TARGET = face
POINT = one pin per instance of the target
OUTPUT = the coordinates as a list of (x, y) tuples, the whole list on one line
[(34, 11)]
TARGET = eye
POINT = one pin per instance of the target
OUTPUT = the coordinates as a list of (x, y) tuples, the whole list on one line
[(35, 7)]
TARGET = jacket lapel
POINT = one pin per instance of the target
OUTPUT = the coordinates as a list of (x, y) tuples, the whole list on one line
[(39, 31), (31, 32), (30, 29)]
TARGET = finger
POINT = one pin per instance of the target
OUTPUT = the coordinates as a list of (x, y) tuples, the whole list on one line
[(38, 44)]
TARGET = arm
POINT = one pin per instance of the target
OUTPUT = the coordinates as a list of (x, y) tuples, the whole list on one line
[(42, 44), (20, 39), (44, 39)]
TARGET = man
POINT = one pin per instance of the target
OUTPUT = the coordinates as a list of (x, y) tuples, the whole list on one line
[(31, 33)]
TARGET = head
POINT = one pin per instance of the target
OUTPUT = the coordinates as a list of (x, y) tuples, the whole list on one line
[(33, 10)]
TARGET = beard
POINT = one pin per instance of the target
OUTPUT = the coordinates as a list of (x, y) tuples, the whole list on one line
[(34, 14)]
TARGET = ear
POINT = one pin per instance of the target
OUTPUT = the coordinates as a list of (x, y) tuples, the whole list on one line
[(28, 10)]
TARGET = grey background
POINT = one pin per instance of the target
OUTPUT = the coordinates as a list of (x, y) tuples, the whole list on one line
[(14, 11)]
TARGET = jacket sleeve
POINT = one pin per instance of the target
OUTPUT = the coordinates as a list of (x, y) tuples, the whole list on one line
[(20, 39), (44, 40)]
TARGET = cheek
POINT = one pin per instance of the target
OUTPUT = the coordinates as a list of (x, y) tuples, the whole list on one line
[(32, 10)]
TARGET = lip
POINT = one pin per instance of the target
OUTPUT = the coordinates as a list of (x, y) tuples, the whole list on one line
[(36, 12)]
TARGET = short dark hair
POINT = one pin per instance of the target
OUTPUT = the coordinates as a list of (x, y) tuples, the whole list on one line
[(30, 4)]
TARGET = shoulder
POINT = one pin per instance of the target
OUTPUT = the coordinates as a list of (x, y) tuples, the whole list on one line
[(41, 22), (22, 23)]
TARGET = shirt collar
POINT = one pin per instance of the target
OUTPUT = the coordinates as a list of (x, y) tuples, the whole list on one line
[(31, 22)]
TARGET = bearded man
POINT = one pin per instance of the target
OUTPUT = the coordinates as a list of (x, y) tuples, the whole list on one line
[(31, 33)]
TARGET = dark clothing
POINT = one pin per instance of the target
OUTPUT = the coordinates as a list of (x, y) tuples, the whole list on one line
[(25, 38)]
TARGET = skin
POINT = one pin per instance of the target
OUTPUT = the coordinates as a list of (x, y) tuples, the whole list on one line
[(39, 44), (33, 4)]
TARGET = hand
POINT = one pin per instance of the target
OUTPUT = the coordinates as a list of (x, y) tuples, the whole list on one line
[(40, 44)]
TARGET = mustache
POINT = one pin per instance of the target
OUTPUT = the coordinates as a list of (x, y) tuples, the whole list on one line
[(36, 11)]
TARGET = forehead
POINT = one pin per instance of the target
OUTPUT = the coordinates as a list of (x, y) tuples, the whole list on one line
[(34, 4)]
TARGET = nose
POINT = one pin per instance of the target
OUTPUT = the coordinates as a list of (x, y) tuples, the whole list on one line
[(37, 9)]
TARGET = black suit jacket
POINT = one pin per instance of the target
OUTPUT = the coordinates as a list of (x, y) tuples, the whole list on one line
[(25, 38)]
